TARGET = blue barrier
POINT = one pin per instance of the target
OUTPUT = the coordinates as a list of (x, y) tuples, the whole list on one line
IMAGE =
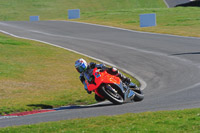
[(147, 20), (73, 13), (34, 18)]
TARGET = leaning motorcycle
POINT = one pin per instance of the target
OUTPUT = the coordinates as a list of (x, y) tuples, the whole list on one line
[(111, 87)]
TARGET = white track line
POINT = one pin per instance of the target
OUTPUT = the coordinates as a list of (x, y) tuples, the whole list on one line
[(142, 32), (121, 46), (166, 3), (6, 117), (143, 83)]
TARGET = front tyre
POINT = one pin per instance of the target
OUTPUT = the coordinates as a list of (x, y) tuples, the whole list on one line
[(139, 95), (110, 94)]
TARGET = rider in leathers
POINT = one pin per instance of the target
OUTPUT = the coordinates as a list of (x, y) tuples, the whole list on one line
[(81, 67)]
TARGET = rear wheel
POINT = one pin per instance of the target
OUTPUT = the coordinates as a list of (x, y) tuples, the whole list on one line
[(99, 99), (109, 93)]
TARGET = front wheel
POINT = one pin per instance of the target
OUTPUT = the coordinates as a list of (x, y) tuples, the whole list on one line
[(139, 95), (110, 94)]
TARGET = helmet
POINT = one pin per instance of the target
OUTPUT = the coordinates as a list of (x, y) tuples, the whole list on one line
[(81, 65)]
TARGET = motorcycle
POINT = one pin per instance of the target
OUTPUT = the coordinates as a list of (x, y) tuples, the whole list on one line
[(110, 87)]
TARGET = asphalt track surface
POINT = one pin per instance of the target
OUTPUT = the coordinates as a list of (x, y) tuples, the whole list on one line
[(169, 65), (173, 3)]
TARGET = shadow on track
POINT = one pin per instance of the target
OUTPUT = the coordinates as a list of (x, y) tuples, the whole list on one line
[(42, 106), (191, 53), (101, 104), (190, 4)]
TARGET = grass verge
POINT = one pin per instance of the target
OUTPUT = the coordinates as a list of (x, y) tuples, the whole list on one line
[(161, 121), (121, 13), (175, 21), (20, 10), (34, 75)]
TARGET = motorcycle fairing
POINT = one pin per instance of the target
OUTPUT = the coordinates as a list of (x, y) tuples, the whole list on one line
[(101, 77)]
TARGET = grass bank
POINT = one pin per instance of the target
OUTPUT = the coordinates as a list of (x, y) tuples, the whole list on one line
[(34, 75), (20, 10), (121, 13), (162, 121), (175, 21)]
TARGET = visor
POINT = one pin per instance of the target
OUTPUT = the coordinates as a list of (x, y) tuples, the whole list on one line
[(80, 69)]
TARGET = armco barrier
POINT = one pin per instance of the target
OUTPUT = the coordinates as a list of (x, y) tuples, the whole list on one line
[(73, 13), (147, 20), (34, 18)]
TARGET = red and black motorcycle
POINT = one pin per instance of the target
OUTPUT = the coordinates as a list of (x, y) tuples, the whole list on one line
[(111, 87)]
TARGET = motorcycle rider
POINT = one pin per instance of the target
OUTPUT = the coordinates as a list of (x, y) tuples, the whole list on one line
[(81, 66)]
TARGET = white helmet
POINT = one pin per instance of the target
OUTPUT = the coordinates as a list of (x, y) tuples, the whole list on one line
[(81, 65)]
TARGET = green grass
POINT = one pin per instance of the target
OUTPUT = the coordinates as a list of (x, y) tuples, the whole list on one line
[(176, 21), (120, 13), (35, 75), (13, 10), (184, 121)]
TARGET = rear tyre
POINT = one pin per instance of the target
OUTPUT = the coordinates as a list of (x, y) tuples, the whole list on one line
[(99, 99), (110, 95)]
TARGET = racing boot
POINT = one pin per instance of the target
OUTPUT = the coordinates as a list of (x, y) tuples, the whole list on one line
[(134, 86), (127, 81), (124, 79), (89, 92)]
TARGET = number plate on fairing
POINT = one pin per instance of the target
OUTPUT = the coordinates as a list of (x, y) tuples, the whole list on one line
[(97, 75)]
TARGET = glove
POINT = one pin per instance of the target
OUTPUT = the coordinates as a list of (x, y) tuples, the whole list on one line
[(85, 86), (92, 65), (103, 68)]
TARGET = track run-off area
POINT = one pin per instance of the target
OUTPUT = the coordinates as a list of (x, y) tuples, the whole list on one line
[(167, 66)]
